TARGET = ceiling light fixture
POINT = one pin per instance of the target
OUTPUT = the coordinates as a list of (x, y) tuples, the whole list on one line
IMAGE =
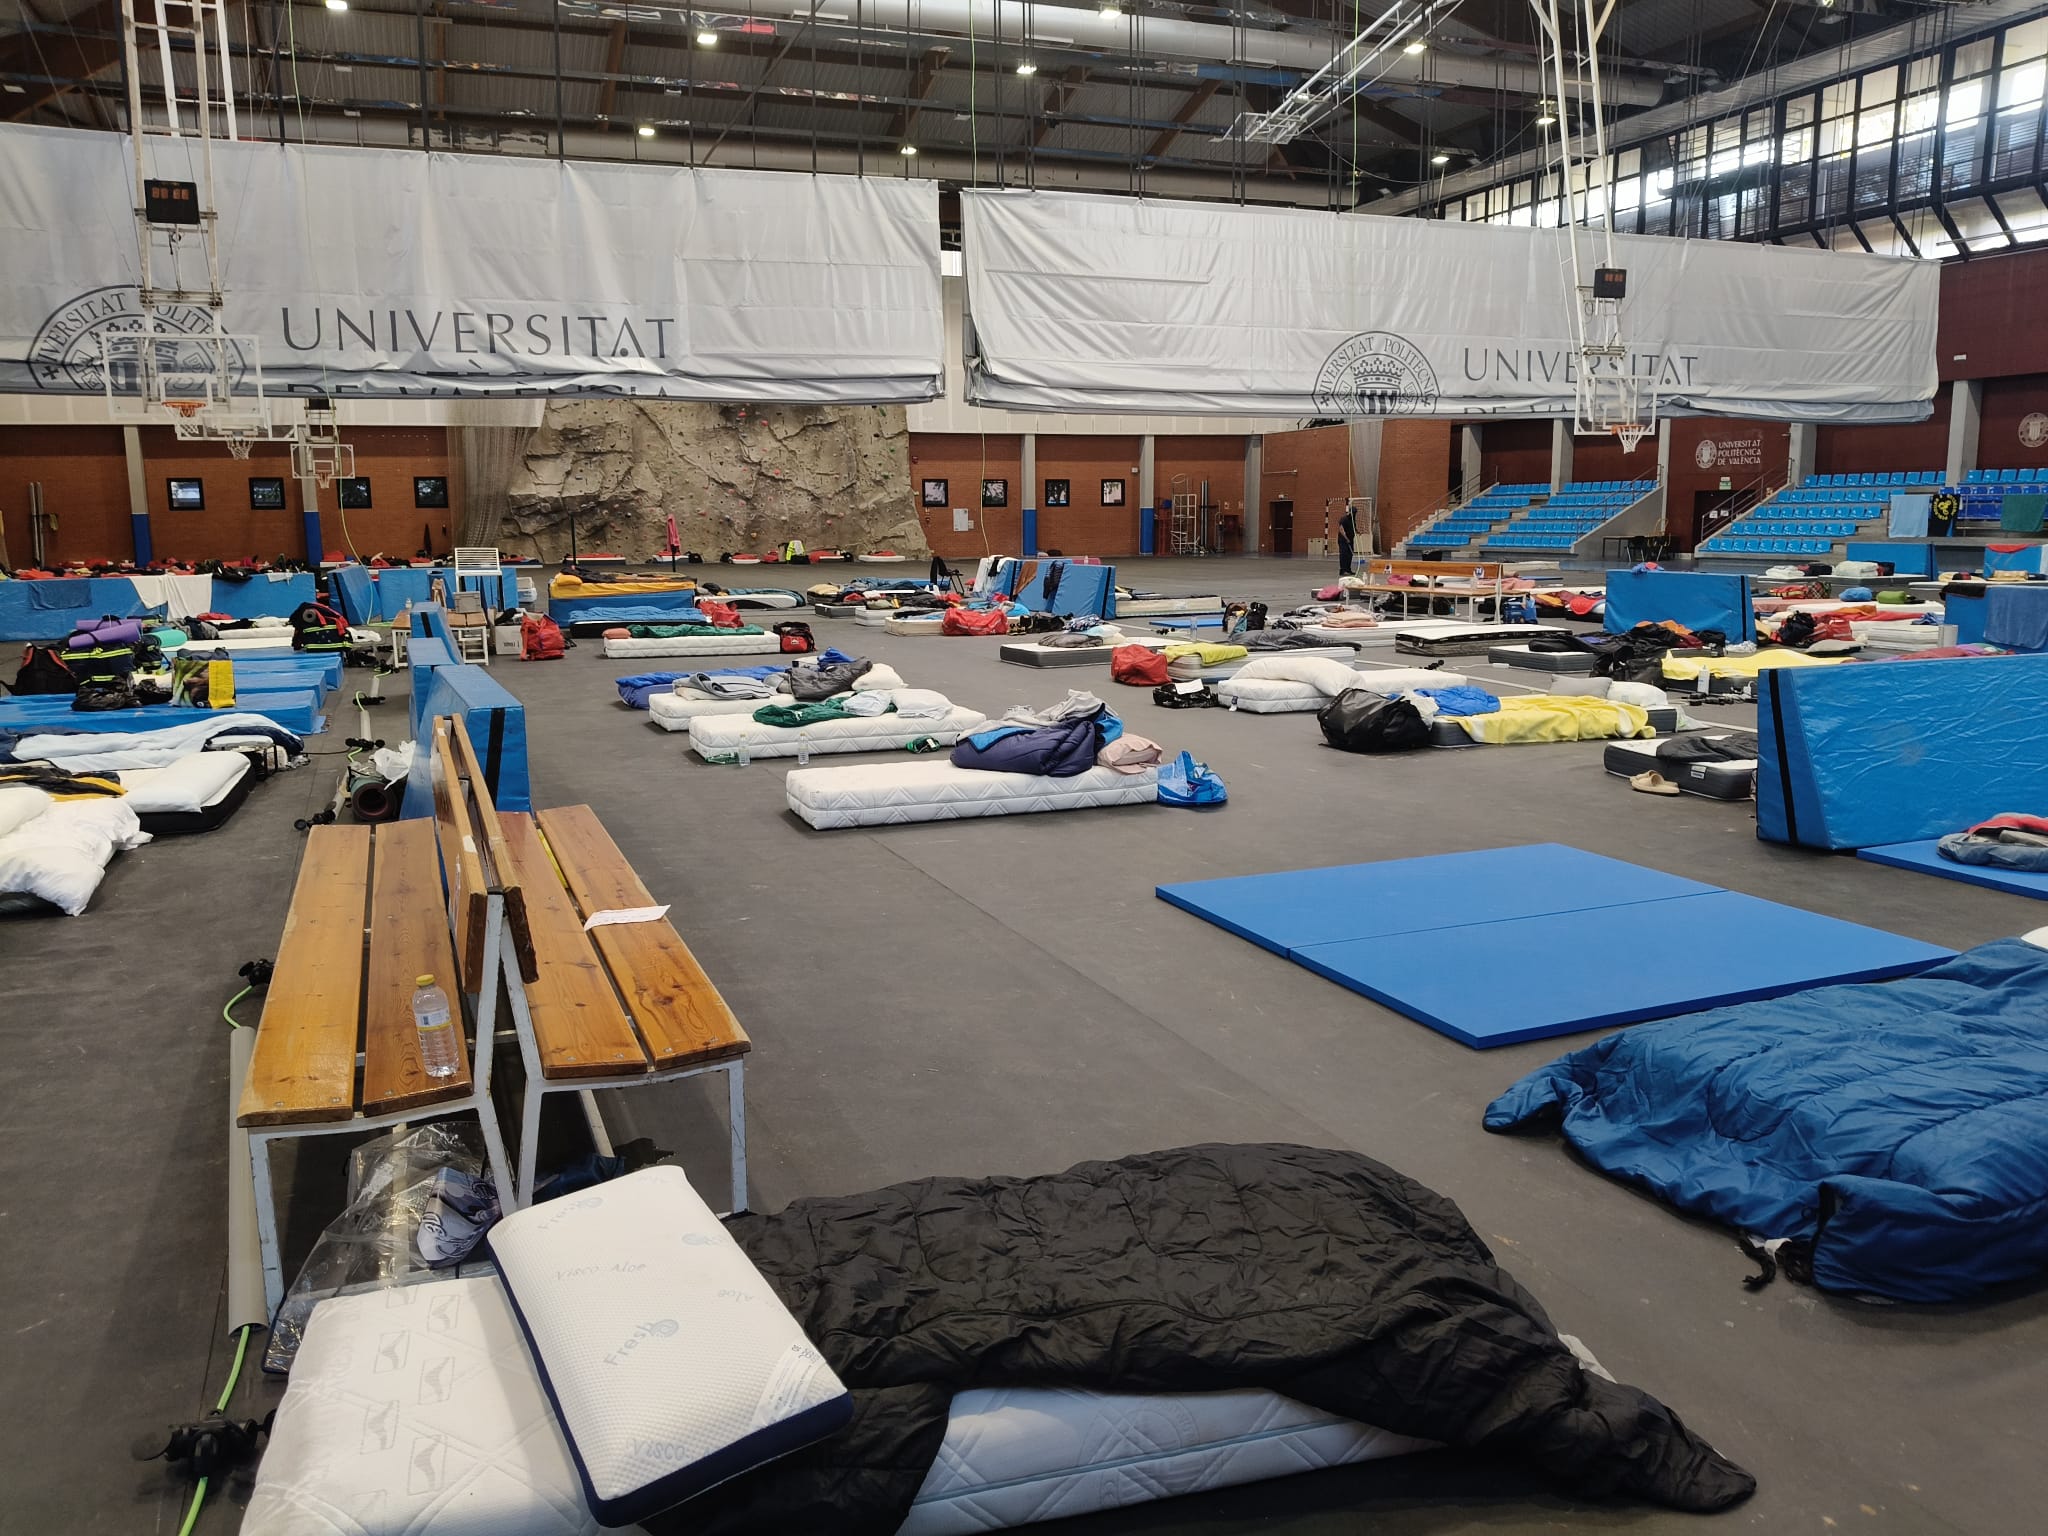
[(707, 38), (1027, 68), (908, 151), (337, 5), (1544, 116), (1415, 47), (1110, 11), (647, 130), (1439, 159)]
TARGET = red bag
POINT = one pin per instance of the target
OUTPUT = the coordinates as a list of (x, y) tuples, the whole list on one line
[(974, 621), (540, 639), (797, 638), (1138, 665), (722, 615)]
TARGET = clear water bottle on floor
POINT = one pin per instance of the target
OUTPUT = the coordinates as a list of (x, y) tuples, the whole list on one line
[(440, 1041), (803, 748), (744, 754)]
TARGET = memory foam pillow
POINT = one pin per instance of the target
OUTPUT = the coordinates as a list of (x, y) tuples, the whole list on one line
[(671, 1363)]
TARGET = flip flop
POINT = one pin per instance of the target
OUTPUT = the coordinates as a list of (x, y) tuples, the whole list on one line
[(1653, 783)]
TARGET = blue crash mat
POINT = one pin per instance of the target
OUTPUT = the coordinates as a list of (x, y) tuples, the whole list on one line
[(1504, 945), (1296, 908), (1925, 858)]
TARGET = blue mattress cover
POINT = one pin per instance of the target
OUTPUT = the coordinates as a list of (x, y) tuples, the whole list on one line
[(1898, 1131)]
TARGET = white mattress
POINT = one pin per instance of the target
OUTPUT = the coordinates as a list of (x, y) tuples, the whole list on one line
[(1139, 607), (1281, 696), (675, 711), (885, 794), (915, 623), (416, 1411), (696, 645), (716, 736), (258, 642), (190, 784), (1018, 1455), (875, 616)]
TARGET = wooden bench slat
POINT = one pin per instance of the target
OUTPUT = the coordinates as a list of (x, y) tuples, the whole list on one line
[(681, 1015), (407, 941), (304, 1066), (578, 1024), (457, 832), (490, 828)]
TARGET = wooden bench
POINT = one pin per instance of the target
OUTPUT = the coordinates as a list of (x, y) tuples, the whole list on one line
[(493, 906), (1469, 580)]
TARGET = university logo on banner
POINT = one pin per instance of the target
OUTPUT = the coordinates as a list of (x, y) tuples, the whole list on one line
[(68, 351), (1376, 373)]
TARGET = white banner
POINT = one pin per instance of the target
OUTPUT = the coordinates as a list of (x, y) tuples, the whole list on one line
[(1082, 303), (400, 273)]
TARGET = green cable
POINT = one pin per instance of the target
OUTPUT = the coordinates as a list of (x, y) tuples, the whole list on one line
[(228, 1013), (226, 1392)]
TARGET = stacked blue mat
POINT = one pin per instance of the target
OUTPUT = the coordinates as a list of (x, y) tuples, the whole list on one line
[(1504, 945)]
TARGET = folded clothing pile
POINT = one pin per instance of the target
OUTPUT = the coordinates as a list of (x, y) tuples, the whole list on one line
[(1057, 743)]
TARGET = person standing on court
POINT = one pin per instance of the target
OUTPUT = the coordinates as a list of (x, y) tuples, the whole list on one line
[(1347, 540)]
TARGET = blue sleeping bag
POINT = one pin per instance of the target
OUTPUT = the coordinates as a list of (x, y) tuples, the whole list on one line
[(1895, 1132), (1058, 751)]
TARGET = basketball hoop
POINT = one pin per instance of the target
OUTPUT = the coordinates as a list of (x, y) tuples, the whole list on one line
[(185, 408), (1632, 433), (238, 447)]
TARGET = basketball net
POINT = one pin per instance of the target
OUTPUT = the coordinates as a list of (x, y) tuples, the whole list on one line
[(238, 447), (1632, 432)]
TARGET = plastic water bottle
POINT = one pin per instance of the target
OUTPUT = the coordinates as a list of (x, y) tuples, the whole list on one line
[(803, 748), (745, 754), (440, 1048)]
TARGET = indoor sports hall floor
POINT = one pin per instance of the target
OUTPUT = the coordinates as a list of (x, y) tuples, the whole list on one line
[(1008, 996)]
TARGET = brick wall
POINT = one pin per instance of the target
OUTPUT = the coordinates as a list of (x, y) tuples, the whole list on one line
[(1219, 460), (1309, 469), (962, 459), (1744, 451), (85, 482), (1912, 445), (1415, 474), (1086, 526), (1514, 452)]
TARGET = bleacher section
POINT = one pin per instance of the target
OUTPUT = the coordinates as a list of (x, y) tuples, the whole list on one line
[(1477, 517), (1824, 511), (1511, 518), (1985, 490)]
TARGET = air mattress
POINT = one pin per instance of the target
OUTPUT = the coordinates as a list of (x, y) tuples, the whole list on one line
[(718, 737), (194, 794), (695, 645), (924, 789), (1734, 779), (1860, 756)]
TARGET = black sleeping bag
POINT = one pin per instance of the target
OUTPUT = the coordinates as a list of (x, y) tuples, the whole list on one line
[(1319, 1274)]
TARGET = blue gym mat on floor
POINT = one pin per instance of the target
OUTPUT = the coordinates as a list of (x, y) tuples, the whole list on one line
[(1513, 944), (1923, 858)]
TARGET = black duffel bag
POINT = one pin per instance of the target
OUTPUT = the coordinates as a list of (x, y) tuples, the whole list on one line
[(1359, 720)]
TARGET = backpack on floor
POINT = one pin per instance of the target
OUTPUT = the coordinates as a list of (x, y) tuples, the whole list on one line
[(44, 670), (317, 627), (797, 639), (540, 639)]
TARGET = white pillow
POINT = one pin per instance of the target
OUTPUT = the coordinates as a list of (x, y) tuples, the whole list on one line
[(19, 805), (185, 785), (1642, 695), (1324, 672), (62, 855), (671, 1362), (920, 703)]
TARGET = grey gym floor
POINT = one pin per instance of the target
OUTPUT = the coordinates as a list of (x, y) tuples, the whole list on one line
[(1005, 996)]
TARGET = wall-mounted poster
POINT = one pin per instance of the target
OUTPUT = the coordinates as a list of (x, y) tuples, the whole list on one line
[(1058, 493), (266, 493), (1112, 493), (995, 493), (935, 493), (430, 490)]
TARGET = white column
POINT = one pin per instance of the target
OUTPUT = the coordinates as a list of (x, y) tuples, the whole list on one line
[(1965, 418), (138, 485), (1803, 437), (1147, 478), (1468, 460), (1367, 438), (1560, 454), (1254, 492), (1028, 471)]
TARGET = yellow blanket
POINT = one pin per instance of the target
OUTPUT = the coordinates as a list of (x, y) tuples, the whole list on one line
[(1686, 667), (1209, 652), (575, 586), (1556, 717)]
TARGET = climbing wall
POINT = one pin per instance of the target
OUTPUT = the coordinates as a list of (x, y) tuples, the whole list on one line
[(737, 479)]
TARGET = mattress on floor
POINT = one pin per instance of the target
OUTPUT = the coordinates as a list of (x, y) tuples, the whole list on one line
[(1540, 661), (1032, 653), (836, 610), (675, 711), (193, 794), (719, 736), (1581, 718), (1019, 1455), (878, 616), (926, 789), (1448, 637), (1734, 779), (925, 622), (696, 645), (1139, 607), (1283, 696)]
